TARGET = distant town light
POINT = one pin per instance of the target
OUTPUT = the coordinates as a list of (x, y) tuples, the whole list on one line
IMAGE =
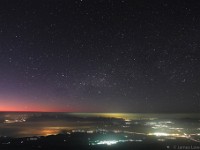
[(159, 134), (107, 142)]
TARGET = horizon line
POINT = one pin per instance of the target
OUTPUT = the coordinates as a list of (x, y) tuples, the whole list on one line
[(91, 112)]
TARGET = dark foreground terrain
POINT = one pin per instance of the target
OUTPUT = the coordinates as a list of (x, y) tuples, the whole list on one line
[(83, 141)]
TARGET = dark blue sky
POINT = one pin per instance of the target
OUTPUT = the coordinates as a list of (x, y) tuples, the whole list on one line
[(100, 56)]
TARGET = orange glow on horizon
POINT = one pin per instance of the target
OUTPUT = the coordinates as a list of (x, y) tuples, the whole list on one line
[(32, 109), (25, 106)]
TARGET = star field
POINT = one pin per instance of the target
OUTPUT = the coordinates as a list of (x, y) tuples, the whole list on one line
[(100, 56)]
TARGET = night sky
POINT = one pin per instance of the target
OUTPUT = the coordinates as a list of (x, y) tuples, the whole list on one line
[(100, 55)]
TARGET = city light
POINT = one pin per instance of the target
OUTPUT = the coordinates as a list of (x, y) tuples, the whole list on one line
[(159, 134), (111, 142)]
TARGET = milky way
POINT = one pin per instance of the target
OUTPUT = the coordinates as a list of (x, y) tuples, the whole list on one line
[(100, 56)]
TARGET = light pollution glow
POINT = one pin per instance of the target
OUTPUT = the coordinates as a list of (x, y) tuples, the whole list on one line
[(22, 105)]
